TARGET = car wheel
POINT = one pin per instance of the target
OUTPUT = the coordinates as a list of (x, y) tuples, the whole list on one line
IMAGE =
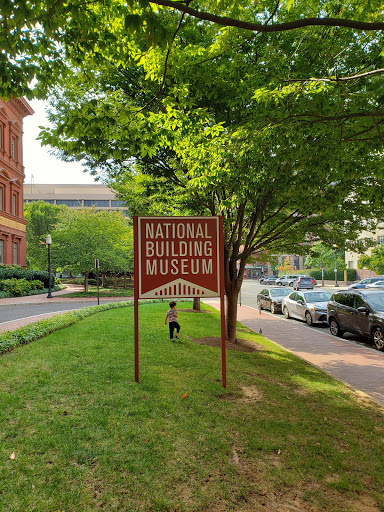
[(279, 284), (273, 309), (290, 284), (286, 312), (308, 318), (378, 338), (335, 328)]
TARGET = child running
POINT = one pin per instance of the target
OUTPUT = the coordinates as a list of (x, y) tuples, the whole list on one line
[(171, 317)]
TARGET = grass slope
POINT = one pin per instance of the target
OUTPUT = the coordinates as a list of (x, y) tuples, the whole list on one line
[(78, 434)]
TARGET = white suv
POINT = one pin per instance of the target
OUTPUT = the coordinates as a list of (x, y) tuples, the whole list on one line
[(288, 279)]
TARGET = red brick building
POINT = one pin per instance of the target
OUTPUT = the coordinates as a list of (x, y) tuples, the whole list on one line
[(12, 222)]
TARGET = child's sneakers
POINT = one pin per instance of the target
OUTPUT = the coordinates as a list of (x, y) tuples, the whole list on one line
[(173, 341), (176, 336)]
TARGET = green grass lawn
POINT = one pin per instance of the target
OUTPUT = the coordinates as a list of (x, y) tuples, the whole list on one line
[(78, 434)]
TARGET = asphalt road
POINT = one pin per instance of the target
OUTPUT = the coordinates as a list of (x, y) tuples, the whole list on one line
[(16, 311)]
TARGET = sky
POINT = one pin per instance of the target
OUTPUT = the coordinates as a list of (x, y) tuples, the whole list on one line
[(45, 168)]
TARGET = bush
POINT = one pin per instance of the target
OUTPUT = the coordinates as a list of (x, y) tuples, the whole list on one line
[(329, 275), (19, 287), (16, 272)]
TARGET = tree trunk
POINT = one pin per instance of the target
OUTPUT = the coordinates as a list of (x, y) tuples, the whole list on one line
[(85, 281), (196, 304), (231, 315), (125, 281), (115, 281)]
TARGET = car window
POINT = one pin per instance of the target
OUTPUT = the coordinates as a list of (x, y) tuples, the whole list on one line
[(299, 296), (293, 296), (365, 281), (264, 292), (359, 302), (344, 298), (317, 296), (280, 292), (305, 279), (376, 301)]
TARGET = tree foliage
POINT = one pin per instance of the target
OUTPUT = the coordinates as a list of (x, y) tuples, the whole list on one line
[(374, 261), (39, 37), (321, 256), (42, 218), (81, 236)]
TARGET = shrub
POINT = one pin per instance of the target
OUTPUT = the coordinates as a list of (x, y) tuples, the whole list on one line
[(19, 287), (329, 275), (16, 272)]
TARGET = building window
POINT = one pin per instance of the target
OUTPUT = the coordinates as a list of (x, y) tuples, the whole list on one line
[(96, 203), (380, 240), (1, 198), (15, 252), (1, 251), (69, 202), (350, 264), (13, 147), (14, 204), (115, 203)]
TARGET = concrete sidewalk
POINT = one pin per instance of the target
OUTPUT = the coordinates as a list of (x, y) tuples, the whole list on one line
[(360, 367)]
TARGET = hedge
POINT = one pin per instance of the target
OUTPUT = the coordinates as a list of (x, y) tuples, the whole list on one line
[(31, 332), (329, 275), (14, 272), (19, 287)]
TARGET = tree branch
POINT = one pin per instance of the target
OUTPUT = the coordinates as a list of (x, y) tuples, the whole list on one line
[(165, 66), (279, 27), (337, 79)]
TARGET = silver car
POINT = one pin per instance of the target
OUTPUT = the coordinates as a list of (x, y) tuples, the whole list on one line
[(310, 306)]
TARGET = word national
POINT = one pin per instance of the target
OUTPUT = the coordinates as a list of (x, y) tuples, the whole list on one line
[(179, 230)]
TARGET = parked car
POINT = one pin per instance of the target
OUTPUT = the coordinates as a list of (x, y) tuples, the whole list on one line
[(270, 280), (377, 284), (270, 298), (359, 312), (363, 283), (303, 282), (287, 279), (310, 306)]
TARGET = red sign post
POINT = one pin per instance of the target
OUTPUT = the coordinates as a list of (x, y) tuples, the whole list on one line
[(179, 257)]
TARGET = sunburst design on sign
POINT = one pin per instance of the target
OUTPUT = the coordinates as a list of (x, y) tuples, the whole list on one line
[(178, 288)]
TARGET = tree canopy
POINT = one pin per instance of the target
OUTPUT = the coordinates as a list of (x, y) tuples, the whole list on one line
[(42, 218), (373, 261), (39, 37), (81, 236)]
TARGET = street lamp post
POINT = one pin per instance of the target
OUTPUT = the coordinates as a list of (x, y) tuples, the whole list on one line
[(48, 241), (336, 283)]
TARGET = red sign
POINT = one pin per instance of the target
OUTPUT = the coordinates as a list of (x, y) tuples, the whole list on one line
[(178, 257)]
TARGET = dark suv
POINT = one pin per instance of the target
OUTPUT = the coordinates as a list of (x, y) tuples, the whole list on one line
[(360, 312)]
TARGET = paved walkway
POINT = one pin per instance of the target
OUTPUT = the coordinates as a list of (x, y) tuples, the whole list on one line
[(360, 367)]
